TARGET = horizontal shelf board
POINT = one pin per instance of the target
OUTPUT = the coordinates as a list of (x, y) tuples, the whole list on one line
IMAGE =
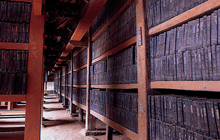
[(21, 0), (77, 69), (116, 49), (63, 75), (121, 129), (14, 46), (122, 86), (186, 16), (13, 98), (187, 85), (68, 85), (11, 111), (68, 72), (111, 20), (79, 105), (62, 85), (79, 51), (80, 86)]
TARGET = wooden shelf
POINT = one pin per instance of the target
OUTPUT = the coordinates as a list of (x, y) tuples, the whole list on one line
[(121, 129), (77, 69), (63, 75), (13, 98), (79, 105), (117, 49), (68, 72), (68, 85), (14, 46), (80, 86), (191, 14), (63, 85), (187, 85), (111, 20), (121, 86), (79, 51)]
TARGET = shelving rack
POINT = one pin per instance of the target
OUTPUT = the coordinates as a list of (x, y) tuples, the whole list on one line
[(144, 84), (34, 94)]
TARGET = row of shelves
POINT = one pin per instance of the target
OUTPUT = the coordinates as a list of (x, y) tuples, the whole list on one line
[(109, 122), (193, 13), (122, 86)]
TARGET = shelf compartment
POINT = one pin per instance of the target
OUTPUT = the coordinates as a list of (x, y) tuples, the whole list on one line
[(187, 85), (111, 20), (116, 49), (77, 69), (193, 13), (79, 105), (121, 129), (121, 86), (14, 46), (12, 98)]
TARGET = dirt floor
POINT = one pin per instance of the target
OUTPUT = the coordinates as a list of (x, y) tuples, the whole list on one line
[(60, 125)]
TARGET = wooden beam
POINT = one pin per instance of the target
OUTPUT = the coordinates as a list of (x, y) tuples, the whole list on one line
[(116, 49), (116, 126), (119, 86), (34, 95), (77, 69), (13, 98), (81, 43), (187, 85), (14, 46), (143, 68), (37, 6), (79, 105), (92, 9), (80, 86), (195, 12)]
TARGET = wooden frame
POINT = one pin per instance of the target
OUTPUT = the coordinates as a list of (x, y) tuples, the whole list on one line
[(13, 98), (119, 86), (143, 69), (187, 85), (193, 13), (116, 126)]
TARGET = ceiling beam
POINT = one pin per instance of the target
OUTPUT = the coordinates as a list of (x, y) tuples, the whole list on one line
[(92, 9)]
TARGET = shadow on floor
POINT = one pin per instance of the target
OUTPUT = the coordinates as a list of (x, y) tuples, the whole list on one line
[(50, 102), (53, 109), (50, 123)]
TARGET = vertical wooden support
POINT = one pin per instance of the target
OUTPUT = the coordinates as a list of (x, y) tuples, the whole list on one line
[(72, 106), (80, 114), (90, 120), (46, 78), (143, 68), (34, 102), (109, 131), (2, 103), (10, 105), (65, 94), (60, 96)]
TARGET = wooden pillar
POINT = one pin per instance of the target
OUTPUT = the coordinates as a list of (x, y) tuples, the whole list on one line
[(10, 105), (143, 68), (80, 114), (2, 103), (90, 120), (73, 108), (34, 102), (60, 96), (109, 131)]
